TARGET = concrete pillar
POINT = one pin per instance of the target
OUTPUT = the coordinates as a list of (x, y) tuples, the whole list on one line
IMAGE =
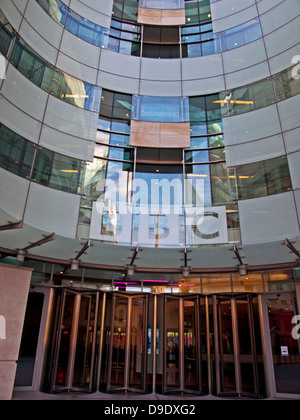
[(14, 289)]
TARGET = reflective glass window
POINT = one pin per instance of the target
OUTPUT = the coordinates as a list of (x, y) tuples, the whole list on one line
[(223, 184), (263, 178), (198, 193), (75, 91), (164, 4), (31, 66), (287, 84), (56, 9), (237, 36), (160, 109), (57, 171), (116, 106), (5, 39), (16, 153), (93, 180)]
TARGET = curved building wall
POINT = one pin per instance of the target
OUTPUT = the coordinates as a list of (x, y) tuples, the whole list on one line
[(71, 81)]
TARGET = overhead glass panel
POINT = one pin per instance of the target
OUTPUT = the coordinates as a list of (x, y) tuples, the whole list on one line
[(162, 4), (160, 109)]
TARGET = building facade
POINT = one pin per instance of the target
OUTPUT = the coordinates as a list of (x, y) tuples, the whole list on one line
[(149, 181)]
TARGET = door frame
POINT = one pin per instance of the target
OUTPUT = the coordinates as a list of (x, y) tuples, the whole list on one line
[(43, 334), (182, 388), (73, 340), (233, 298), (126, 383), (267, 344)]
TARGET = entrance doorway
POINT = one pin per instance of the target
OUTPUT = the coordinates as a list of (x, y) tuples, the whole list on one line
[(126, 344), (182, 371), (75, 342), (239, 356), (283, 366)]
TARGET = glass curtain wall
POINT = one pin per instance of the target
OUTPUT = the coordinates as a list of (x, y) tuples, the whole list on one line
[(124, 35)]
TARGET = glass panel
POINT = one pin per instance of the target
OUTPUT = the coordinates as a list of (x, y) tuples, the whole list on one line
[(286, 84), (223, 184), (137, 345), (84, 345), (33, 67), (57, 171), (160, 109), (258, 348), (263, 93), (191, 355), (227, 365), (106, 343), (94, 173), (285, 348), (5, 39), (16, 153), (65, 336), (117, 106), (119, 343), (164, 4), (30, 336), (246, 347), (282, 280), (172, 344), (56, 9), (158, 204), (199, 186), (65, 173), (263, 178), (252, 282)]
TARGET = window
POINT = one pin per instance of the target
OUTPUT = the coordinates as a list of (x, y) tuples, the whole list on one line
[(57, 171), (16, 153), (163, 4), (263, 178), (160, 109), (161, 42), (238, 35), (116, 105)]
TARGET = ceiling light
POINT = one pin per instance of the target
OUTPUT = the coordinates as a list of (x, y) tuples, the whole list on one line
[(130, 270), (74, 265), (243, 270), (186, 272), (21, 256)]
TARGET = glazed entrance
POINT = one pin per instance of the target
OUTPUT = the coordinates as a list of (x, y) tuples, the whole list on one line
[(143, 343)]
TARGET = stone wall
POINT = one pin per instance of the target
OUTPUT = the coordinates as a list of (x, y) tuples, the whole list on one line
[(14, 289)]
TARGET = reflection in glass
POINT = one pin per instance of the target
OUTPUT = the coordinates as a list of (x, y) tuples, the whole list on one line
[(227, 366), (65, 337), (190, 346), (119, 343), (247, 365), (172, 344), (286, 353), (137, 343), (160, 109)]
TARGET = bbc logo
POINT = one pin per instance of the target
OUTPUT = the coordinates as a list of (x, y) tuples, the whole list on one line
[(2, 67)]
